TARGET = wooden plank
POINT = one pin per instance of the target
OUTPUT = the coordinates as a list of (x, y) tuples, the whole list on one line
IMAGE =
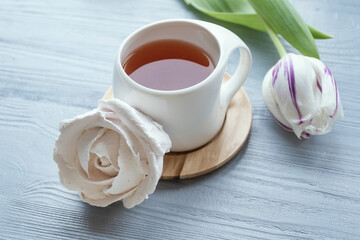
[(56, 61)]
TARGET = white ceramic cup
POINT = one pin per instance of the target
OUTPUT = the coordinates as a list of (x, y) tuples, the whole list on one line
[(191, 116)]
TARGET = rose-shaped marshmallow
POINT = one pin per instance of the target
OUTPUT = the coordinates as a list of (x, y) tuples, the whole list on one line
[(111, 153), (302, 95)]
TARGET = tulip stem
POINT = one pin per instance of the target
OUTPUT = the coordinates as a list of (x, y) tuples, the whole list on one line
[(274, 37)]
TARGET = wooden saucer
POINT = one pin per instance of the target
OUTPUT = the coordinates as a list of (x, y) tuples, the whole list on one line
[(219, 150)]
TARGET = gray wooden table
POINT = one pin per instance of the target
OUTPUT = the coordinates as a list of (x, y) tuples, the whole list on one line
[(56, 61)]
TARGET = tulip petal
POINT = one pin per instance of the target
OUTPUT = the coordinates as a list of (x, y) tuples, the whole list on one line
[(267, 91), (302, 95), (330, 97)]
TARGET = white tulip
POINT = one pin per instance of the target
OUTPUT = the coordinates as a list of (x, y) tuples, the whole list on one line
[(302, 95)]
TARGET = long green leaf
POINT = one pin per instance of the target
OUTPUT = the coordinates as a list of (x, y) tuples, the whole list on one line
[(239, 12), (317, 34), (282, 17)]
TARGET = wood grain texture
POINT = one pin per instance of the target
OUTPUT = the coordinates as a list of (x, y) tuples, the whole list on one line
[(56, 61), (219, 150)]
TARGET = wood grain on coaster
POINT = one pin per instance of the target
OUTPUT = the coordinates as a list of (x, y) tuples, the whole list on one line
[(219, 150)]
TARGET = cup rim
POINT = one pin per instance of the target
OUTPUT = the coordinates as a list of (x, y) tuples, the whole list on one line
[(167, 92)]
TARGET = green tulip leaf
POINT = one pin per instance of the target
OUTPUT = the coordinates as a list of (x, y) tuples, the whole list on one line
[(317, 34), (283, 19), (239, 12)]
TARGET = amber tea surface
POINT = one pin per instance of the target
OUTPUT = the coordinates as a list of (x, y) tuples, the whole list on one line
[(168, 65)]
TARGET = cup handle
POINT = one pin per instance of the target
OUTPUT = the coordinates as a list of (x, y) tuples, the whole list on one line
[(230, 43)]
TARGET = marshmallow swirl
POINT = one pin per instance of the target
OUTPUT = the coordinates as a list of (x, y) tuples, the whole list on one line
[(111, 153)]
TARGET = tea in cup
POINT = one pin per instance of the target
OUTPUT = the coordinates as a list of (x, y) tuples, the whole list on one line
[(172, 70)]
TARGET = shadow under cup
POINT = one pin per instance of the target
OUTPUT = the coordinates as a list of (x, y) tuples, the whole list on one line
[(191, 116)]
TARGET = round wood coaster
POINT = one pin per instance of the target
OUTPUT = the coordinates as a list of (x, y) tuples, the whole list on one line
[(219, 150)]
